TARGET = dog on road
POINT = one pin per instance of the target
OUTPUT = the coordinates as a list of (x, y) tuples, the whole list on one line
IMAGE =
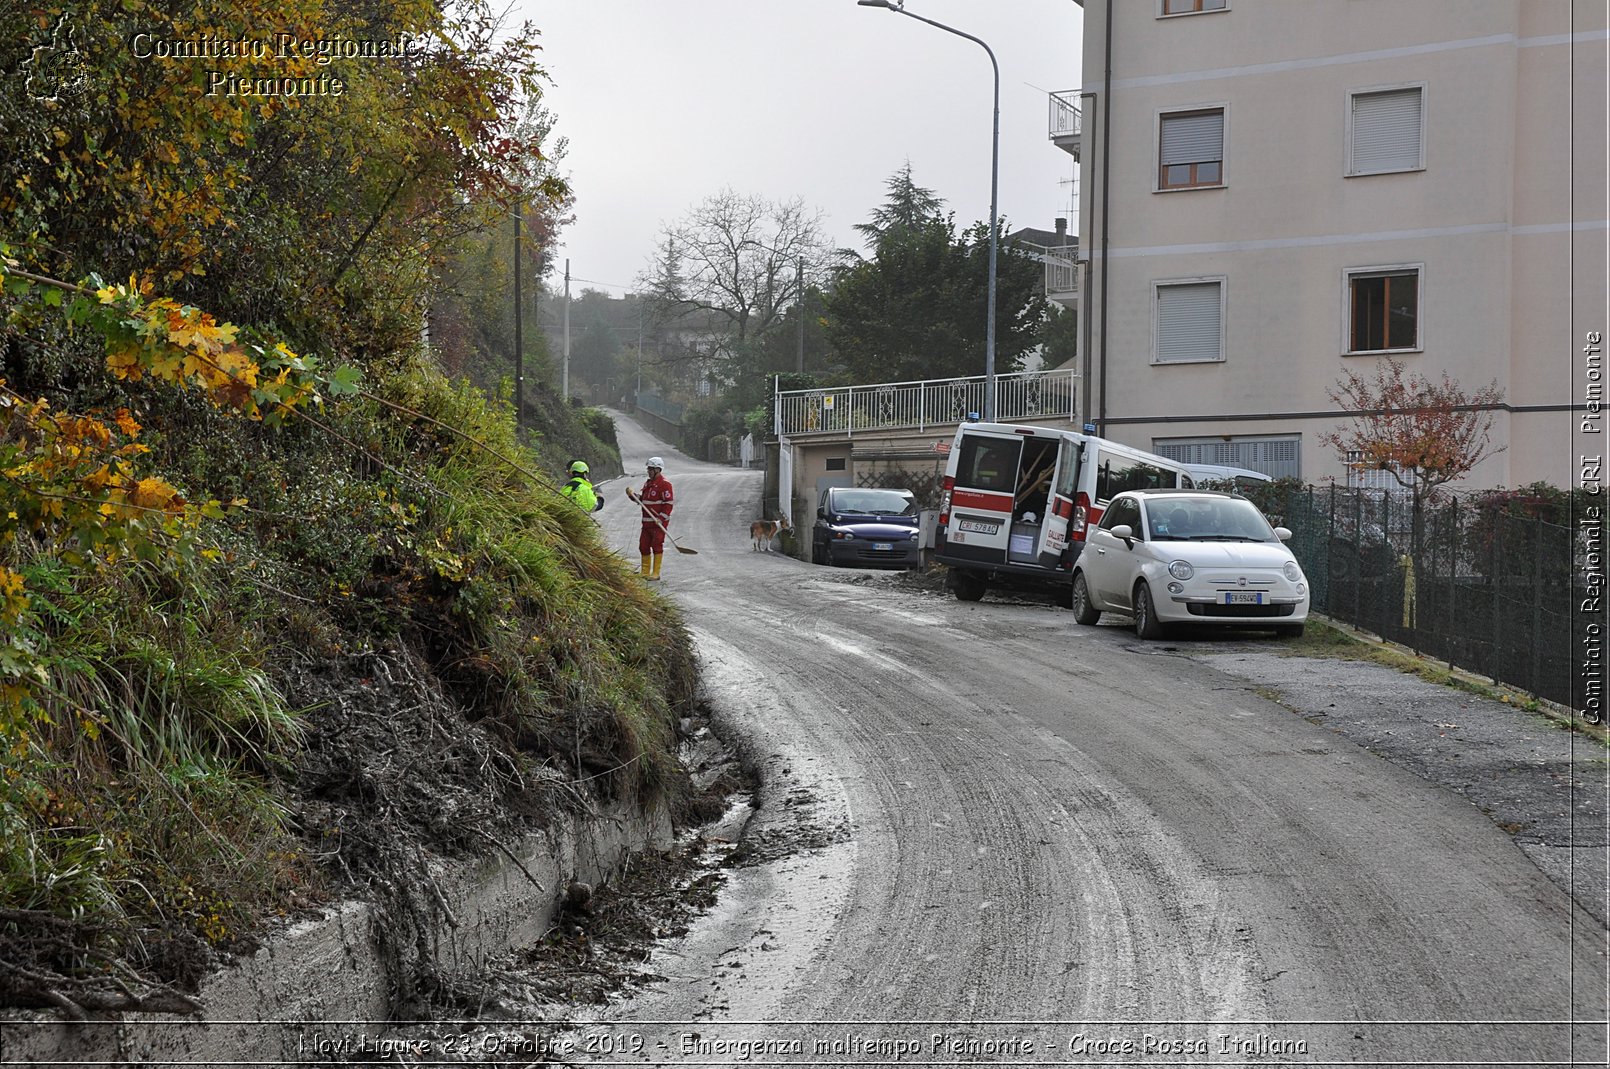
[(766, 530)]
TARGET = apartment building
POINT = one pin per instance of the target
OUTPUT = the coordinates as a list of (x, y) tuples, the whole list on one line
[(1274, 192)]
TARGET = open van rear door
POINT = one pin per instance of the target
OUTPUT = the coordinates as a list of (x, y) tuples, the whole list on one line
[(981, 500), (1059, 511)]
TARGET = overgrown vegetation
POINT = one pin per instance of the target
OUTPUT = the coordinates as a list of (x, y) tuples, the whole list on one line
[(282, 607)]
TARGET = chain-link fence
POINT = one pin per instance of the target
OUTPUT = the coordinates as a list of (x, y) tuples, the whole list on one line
[(1496, 594)]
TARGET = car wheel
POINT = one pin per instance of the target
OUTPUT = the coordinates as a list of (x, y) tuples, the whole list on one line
[(1289, 630), (1147, 625), (1083, 611), (968, 587)]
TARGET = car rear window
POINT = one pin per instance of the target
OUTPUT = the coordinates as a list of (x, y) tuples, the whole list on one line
[(875, 502)]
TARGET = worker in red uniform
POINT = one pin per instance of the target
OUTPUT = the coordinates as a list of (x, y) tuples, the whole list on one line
[(655, 500)]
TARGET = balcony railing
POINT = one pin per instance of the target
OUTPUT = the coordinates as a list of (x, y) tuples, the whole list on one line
[(928, 403), (1061, 269), (1065, 119)]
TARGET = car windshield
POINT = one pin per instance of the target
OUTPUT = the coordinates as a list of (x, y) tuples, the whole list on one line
[(1204, 519), (875, 502)]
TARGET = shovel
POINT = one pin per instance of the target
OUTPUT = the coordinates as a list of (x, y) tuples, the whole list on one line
[(661, 524)]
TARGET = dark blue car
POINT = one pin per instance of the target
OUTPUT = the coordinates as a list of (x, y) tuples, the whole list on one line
[(866, 528)]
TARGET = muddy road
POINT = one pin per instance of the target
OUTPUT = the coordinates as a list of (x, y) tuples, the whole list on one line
[(982, 827)]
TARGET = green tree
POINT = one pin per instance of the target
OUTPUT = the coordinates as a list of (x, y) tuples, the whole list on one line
[(1060, 336), (916, 307)]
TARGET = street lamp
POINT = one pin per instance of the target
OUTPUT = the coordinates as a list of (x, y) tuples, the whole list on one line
[(994, 172)]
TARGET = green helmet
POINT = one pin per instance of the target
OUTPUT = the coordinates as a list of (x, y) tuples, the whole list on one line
[(578, 467)]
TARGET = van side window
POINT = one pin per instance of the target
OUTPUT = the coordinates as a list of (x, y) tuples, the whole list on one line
[(986, 464), (1117, 474)]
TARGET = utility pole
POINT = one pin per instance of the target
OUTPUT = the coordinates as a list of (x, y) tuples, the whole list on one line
[(799, 288), (519, 332), (639, 392), (564, 383)]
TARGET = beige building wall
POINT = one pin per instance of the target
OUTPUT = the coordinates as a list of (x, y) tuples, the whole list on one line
[(1487, 220)]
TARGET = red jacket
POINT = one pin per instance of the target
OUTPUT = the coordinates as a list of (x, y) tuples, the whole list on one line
[(656, 498)]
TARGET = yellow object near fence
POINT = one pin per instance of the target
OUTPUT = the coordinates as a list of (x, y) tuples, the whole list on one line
[(1406, 563)]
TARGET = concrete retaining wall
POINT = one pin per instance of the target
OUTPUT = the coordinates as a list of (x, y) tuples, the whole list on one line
[(325, 981)]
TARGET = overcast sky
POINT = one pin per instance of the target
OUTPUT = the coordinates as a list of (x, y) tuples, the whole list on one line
[(666, 102)]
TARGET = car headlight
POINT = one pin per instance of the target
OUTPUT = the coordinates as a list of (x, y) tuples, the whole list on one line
[(1181, 569), (914, 535), (1293, 572), (846, 535)]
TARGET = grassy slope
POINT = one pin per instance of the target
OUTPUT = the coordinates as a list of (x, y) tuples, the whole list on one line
[(405, 644)]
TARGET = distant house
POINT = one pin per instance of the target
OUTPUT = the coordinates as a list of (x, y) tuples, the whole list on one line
[(1058, 250)]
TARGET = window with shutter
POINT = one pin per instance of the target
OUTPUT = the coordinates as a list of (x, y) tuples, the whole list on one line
[(1190, 322), (1190, 151), (1386, 132)]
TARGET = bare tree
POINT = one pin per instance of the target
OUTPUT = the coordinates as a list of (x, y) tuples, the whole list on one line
[(732, 268)]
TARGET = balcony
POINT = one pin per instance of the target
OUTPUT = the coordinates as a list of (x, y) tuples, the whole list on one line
[(1061, 273), (1066, 123)]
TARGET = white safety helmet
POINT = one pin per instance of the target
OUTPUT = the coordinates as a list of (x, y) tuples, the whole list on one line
[(656, 462)]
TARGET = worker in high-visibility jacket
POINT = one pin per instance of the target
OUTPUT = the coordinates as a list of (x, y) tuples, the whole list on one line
[(580, 488), (655, 500)]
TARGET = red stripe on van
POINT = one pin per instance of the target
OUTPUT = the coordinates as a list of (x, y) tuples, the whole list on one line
[(981, 499)]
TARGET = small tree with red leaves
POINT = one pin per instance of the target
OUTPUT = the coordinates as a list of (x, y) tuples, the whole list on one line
[(1424, 433)]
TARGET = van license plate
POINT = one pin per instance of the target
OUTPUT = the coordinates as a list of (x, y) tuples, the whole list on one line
[(985, 527), (1243, 597), (882, 547)]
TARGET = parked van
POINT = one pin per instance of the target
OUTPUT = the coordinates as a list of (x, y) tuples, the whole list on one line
[(1207, 474), (1016, 502)]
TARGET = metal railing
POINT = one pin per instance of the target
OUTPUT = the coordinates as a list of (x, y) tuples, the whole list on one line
[(923, 404), (1061, 266), (1065, 117), (1062, 270)]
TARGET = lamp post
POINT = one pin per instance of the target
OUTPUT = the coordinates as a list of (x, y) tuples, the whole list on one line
[(898, 6), (519, 331)]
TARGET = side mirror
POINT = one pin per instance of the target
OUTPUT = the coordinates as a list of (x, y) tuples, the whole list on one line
[(1283, 533), (1126, 532)]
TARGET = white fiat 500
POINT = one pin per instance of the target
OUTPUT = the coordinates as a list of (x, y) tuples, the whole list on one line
[(1189, 556)]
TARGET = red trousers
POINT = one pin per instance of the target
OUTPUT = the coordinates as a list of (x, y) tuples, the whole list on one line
[(651, 540)]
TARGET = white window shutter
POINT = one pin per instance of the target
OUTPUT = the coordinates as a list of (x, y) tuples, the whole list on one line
[(1193, 138), (1188, 322), (1386, 131)]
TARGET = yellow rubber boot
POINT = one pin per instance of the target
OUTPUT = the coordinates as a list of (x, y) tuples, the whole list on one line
[(645, 572), (656, 573)]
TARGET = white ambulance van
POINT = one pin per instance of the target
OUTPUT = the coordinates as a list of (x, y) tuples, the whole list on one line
[(1016, 502)]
